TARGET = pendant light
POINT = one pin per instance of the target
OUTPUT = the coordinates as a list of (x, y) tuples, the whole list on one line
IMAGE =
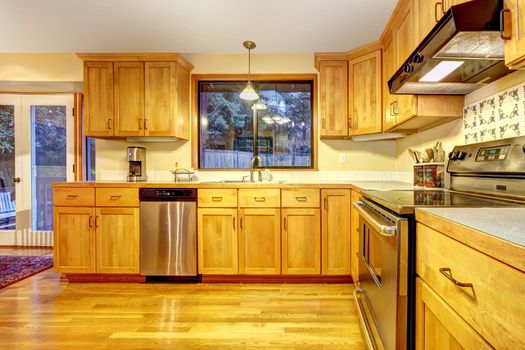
[(249, 92)]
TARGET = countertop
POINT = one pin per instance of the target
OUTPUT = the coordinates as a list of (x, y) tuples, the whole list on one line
[(498, 232), (361, 185)]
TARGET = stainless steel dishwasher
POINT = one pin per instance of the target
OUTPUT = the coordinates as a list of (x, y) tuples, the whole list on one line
[(168, 232)]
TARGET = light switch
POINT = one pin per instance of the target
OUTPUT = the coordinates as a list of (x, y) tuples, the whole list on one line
[(342, 158)]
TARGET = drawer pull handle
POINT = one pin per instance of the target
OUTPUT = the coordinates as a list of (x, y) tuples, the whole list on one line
[(97, 221), (216, 199), (72, 196), (90, 221), (114, 198), (301, 199), (447, 272), (259, 199)]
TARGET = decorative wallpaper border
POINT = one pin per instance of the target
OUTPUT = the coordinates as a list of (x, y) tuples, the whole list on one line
[(496, 117)]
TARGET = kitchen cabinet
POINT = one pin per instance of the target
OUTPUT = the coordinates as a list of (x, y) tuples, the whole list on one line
[(389, 68), (118, 240), (74, 239), (260, 241), (217, 237), (515, 27), (354, 238), (335, 232), (137, 95), (333, 98), (129, 98), (438, 327), (364, 93), (301, 241), (98, 99), (427, 14)]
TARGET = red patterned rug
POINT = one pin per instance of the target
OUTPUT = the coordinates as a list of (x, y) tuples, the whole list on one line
[(16, 268)]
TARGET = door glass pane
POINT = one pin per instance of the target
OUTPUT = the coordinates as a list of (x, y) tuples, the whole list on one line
[(48, 160), (7, 167)]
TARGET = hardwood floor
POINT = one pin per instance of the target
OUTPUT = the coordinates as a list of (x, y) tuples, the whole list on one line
[(22, 251), (43, 313)]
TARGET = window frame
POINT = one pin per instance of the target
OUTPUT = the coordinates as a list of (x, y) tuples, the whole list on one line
[(195, 125)]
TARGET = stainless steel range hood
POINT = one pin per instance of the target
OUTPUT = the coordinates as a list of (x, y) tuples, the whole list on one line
[(462, 53)]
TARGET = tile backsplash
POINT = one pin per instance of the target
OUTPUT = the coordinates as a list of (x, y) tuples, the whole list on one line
[(496, 117)]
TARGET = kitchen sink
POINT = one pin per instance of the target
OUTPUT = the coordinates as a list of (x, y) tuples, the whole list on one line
[(241, 182)]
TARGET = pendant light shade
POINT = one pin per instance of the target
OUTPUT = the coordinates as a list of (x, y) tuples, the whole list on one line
[(249, 92)]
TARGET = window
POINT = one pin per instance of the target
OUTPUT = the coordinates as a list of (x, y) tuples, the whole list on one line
[(277, 127)]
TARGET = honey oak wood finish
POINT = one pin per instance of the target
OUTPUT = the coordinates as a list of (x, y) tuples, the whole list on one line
[(129, 98), (489, 306), (118, 240), (42, 312), (217, 237), (439, 327), (333, 91), (160, 98), (300, 198), (335, 232), (389, 68), (117, 197), (259, 241), (301, 241), (74, 239), (354, 238), (98, 98), (183, 126), (217, 198), (515, 46), (73, 197), (364, 93), (260, 198)]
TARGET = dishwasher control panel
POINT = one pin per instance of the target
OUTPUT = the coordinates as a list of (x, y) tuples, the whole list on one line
[(168, 194)]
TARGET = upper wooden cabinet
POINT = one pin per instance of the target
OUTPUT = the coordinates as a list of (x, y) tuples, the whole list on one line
[(333, 81), (428, 12), (364, 93), (515, 43), (136, 95)]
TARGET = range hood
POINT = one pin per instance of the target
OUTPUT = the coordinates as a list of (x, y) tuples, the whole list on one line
[(462, 53)]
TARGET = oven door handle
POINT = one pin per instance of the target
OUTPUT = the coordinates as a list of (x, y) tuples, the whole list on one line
[(365, 323), (375, 220)]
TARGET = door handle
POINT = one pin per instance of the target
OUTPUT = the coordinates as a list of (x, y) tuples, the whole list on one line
[(447, 272), (240, 223), (110, 123), (233, 220), (259, 199), (216, 199), (72, 196), (90, 221), (368, 334), (301, 199), (114, 198), (17, 180), (325, 204), (395, 106), (285, 226), (375, 220), (438, 3), (145, 123), (502, 30), (140, 123), (97, 221), (324, 123)]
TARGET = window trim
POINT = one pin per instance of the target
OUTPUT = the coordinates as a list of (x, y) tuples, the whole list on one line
[(196, 78)]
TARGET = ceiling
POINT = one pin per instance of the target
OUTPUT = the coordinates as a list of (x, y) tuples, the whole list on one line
[(197, 26)]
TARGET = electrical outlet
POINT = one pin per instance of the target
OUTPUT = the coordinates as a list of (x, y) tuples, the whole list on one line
[(342, 158)]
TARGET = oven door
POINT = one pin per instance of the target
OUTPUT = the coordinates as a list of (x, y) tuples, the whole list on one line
[(381, 310)]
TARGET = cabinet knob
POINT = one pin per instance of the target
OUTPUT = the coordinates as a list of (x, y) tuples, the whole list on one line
[(17, 180)]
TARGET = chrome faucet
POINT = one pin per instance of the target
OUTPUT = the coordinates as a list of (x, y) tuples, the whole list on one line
[(256, 160)]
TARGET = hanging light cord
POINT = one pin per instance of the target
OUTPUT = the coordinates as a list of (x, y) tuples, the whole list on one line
[(249, 65)]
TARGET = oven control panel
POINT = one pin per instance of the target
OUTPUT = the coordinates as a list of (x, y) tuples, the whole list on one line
[(489, 154)]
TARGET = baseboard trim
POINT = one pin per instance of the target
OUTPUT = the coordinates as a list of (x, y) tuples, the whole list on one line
[(87, 277), (276, 279)]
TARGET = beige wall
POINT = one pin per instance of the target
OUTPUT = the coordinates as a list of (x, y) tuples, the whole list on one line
[(40, 67)]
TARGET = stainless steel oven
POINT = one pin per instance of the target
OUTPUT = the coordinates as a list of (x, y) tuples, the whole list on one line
[(382, 295)]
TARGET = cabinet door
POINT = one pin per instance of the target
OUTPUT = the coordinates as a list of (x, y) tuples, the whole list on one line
[(217, 235), (389, 68), (334, 98), (98, 98), (335, 232), (515, 46), (364, 97), (74, 240), (301, 241), (427, 14), (260, 241), (160, 98), (439, 327), (406, 105), (182, 127), (118, 240), (354, 239), (129, 99)]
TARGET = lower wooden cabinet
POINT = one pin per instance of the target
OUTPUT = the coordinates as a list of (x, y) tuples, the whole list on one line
[(118, 240), (301, 241), (335, 232), (217, 237), (354, 238), (74, 237), (439, 327), (260, 241)]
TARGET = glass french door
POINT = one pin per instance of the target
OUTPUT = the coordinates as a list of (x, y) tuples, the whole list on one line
[(36, 148)]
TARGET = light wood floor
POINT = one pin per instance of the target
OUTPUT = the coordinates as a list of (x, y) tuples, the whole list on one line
[(43, 313), (22, 251)]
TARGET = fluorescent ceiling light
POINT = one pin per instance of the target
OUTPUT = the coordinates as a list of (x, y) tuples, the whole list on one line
[(441, 71)]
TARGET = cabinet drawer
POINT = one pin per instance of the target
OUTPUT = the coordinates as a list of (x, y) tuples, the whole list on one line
[(300, 198), (117, 197), (213, 198), (260, 198), (491, 305), (74, 197)]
